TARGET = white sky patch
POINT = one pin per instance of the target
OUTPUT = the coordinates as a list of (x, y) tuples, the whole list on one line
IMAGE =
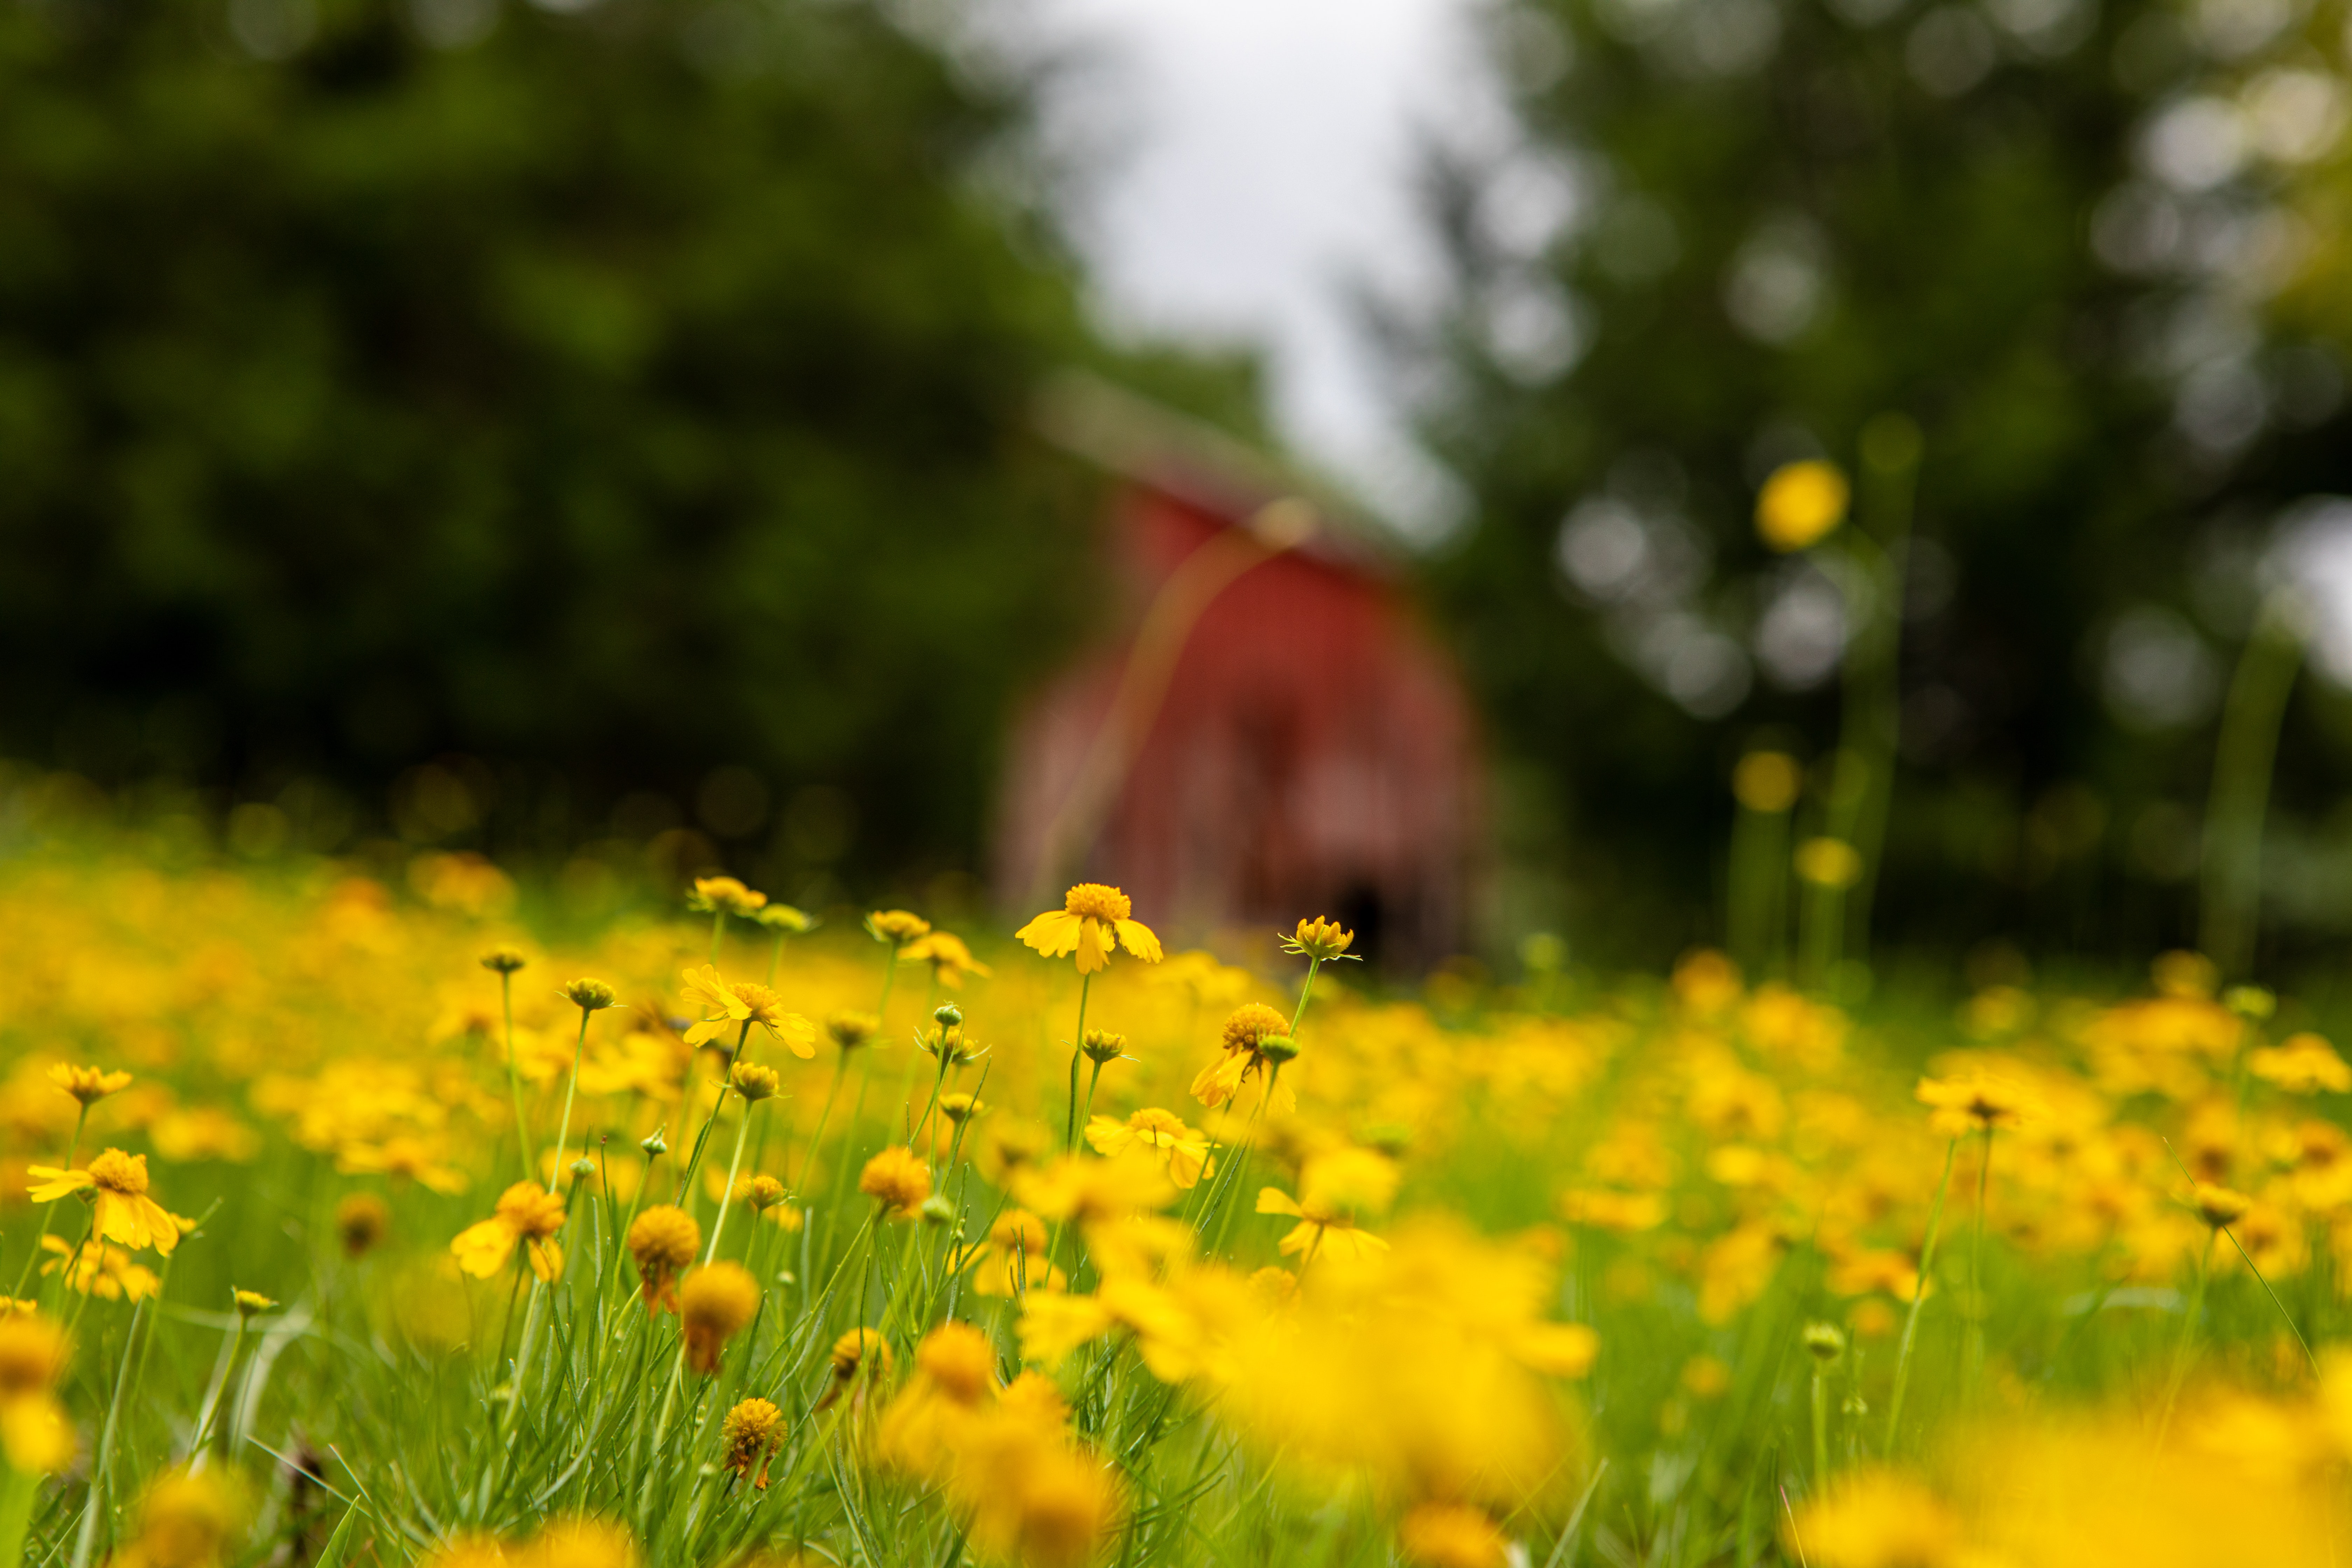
[(1253, 162)]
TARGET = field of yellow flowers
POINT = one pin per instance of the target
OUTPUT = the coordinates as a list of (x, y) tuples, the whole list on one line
[(348, 1221)]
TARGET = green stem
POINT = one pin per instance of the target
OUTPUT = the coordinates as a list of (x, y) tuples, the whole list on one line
[(717, 930), (514, 1078), (100, 1467), (563, 1133), (1820, 1428), (1918, 1295), (694, 1161), (734, 1166), (1077, 1048), (1976, 1269)]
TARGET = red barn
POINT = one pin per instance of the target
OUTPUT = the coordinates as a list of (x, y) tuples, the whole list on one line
[(1270, 734)]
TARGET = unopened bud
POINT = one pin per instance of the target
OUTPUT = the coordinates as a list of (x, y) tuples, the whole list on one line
[(503, 959), (583, 1166), (1824, 1342), (654, 1144), (754, 1081), (937, 1210), (948, 1016), (1278, 1048), (1102, 1045)]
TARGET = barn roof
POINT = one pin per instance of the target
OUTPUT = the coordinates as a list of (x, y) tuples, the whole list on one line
[(1149, 444)]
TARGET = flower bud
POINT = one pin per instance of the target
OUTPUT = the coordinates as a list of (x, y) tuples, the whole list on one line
[(654, 1144), (503, 959), (583, 1166), (250, 1302), (948, 1016), (589, 996), (937, 1210), (1102, 1045), (754, 1081), (785, 919), (851, 1029), (766, 1193), (1823, 1342), (1278, 1048), (960, 1107)]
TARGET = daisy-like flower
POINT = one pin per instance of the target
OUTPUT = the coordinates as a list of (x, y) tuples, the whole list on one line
[(663, 1241), (853, 1353), (898, 1179), (1335, 1191), (949, 959), (713, 1305), (1183, 1152), (894, 929), (123, 1211), (1258, 1038), (98, 1268), (725, 895), (1963, 1104), (528, 1216), (1322, 941), (88, 1085), (1093, 918), (729, 1007)]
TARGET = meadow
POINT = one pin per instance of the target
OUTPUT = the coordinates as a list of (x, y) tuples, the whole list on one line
[(413, 1219)]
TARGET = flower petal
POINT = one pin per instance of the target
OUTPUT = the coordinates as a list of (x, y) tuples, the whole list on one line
[(1052, 933), (1094, 946), (1137, 938), (1273, 1200), (483, 1248)]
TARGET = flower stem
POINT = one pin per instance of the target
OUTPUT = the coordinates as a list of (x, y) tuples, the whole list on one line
[(564, 1134), (514, 1078), (1077, 1048), (1918, 1294), (48, 1213), (1820, 1428), (2181, 1351), (734, 1166)]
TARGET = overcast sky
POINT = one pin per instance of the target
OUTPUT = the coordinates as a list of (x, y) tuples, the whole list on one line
[(1253, 157)]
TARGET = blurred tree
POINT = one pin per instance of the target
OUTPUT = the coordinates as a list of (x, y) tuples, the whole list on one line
[(628, 396), (1727, 234)]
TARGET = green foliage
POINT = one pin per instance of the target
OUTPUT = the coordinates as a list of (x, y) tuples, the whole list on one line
[(618, 394), (1776, 240)]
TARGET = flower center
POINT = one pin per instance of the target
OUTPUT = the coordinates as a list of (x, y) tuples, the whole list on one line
[(1094, 901), (119, 1173)]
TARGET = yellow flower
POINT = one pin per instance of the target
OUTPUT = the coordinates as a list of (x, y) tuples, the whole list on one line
[(1183, 1152), (1321, 939), (1013, 1259), (1801, 504), (2306, 1064), (896, 928), (122, 1210), (714, 1304), (527, 1214), (360, 1221), (949, 959), (88, 1085), (1030, 1495), (1255, 1037), (185, 1520), (1450, 1535), (33, 1432), (749, 1435), (896, 1179), (664, 1240), (1876, 1519), (251, 1301), (850, 1029), (2219, 1206), (755, 1081), (724, 895), (1335, 1190), (744, 1003), (853, 1353), (99, 1268), (1978, 1100), (1092, 919), (1093, 1192), (581, 1543)]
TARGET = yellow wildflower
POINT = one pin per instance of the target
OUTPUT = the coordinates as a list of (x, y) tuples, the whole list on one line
[(1256, 1039), (1321, 939), (33, 1432), (1183, 1152), (1450, 1535), (527, 1214), (949, 959), (724, 895), (100, 1268), (2305, 1064), (1801, 504), (663, 1240), (898, 1179), (185, 1520), (88, 1085), (749, 1435), (714, 1304), (1335, 1190), (122, 1209), (1091, 921), (1977, 1100), (896, 928), (739, 1006), (1876, 1519), (859, 1350)]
